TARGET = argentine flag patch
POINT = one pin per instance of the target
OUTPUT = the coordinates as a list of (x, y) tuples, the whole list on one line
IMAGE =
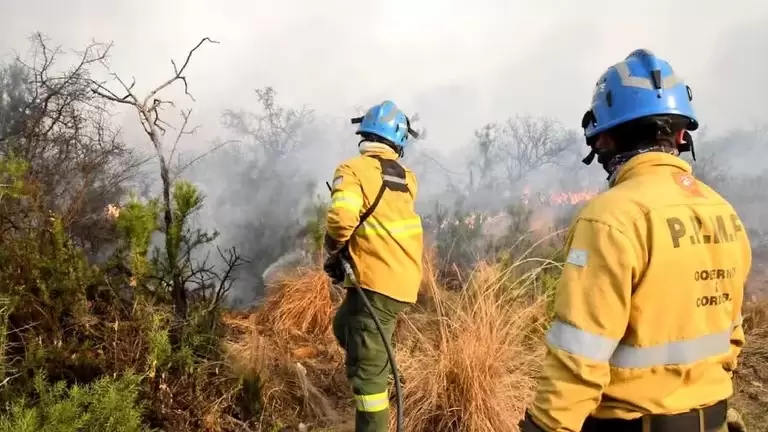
[(577, 257)]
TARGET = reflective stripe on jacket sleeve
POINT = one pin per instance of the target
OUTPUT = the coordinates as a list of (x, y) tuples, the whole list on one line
[(598, 348), (592, 306), (346, 204)]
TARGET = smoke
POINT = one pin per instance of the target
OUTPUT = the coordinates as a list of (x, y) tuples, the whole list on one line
[(523, 58), (264, 190), (261, 201)]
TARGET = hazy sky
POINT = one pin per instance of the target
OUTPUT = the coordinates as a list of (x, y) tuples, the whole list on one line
[(459, 63)]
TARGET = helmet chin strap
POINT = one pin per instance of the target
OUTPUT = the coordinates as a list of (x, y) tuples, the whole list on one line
[(590, 157), (604, 158), (687, 145)]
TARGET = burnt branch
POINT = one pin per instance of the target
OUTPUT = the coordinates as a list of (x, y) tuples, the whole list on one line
[(232, 260)]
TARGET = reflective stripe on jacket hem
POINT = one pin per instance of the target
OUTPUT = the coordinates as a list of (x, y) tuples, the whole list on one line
[(574, 340)]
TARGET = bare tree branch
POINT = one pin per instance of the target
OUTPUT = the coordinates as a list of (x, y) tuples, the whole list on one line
[(179, 73), (181, 168), (148, 110)]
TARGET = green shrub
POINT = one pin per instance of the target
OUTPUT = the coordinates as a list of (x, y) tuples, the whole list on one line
[(108, 405)]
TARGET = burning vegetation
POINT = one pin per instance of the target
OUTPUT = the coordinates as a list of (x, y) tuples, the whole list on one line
[(102, 330), (558, 198)]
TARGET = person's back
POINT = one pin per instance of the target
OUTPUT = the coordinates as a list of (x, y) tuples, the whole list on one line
[(647, 324), (690, 260), (387, 247)]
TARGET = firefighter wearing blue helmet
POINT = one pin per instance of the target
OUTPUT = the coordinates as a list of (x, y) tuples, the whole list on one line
[(644, 338), (372, 223)]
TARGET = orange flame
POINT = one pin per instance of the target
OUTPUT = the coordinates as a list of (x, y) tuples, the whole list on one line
[(541, 201), (559, 198), (526, 193), (571, 197), (112, 211)]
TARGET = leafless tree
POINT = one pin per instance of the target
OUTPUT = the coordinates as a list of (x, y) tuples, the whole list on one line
[(148, 109), (50, 118), (508, 152), (274, 132)]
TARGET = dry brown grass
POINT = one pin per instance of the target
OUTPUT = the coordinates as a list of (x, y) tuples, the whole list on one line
[(751, 379), (468, 359), (299, 303), (469, 365), (287, 389), (287, 347)]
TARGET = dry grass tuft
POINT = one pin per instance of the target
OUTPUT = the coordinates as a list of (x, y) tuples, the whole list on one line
[(468, 358), (286, 388), (299, 303), (470, 365), (250, 354), (756, 328), (751, 377), (755, 314), (287, 347)]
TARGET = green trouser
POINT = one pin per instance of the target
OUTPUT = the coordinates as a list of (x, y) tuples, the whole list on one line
[(367, 364)]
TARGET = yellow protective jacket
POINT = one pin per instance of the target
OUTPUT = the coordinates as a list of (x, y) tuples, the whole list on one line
[(648, 310), (387, 248)]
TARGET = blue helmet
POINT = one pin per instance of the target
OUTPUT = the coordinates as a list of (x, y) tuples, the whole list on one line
[(641, 85), (388, 122)]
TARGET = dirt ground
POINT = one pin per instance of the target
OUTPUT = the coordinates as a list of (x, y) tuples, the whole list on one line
[(751, 382)]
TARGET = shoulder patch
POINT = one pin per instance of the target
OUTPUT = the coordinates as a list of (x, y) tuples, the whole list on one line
[(577, 257), (337, 181), (688, 183)]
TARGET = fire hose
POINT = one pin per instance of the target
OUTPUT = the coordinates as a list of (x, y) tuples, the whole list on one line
[(387, 346)]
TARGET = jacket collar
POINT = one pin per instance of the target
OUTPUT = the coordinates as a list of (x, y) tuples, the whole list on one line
[(650, 162), (372, 148)]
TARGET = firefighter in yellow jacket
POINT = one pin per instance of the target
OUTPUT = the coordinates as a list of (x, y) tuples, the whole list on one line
[(648, 310), (372, 223)]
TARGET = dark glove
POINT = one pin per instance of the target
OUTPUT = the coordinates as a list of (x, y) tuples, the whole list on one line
[(527, 424), (334, 269)]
